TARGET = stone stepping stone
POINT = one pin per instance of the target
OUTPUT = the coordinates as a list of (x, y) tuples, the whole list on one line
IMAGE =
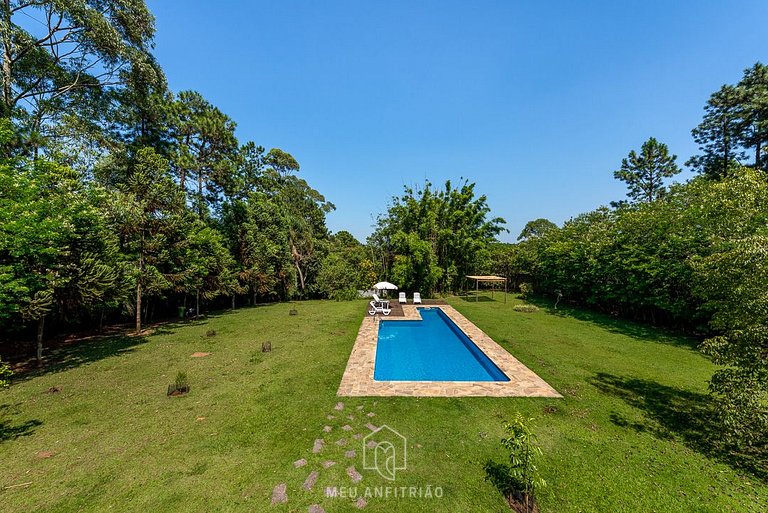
[(346, 427), (361, 503), (371, 427), (199, 354), (328, 464), (279, 496), (299, 463), (351, 417), (341, 442), (339, 406), (331, 417), (354, 475), (327, 429), (318, 445), (311, 479), (371, 444), (360, 407), (357, 436), (315, 508), (350, 454), (371, 414)]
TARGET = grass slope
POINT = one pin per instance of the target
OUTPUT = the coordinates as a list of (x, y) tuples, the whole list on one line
[(625, 438)]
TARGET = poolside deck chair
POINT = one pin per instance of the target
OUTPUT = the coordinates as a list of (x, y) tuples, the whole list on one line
[(416, 298), (379, 307), (402, 298)]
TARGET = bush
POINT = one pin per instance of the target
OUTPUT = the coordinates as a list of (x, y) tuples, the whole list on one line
[(5, 374), (518, 479), (526, 290), (525, 308)]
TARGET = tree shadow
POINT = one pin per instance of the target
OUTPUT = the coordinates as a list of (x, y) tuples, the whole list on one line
[(10, 431), (79, 353), (618, 325), (498, 474), (481, 299), (675, 414)]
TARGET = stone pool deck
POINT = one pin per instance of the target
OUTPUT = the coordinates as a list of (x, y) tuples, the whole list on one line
[(358, 376)]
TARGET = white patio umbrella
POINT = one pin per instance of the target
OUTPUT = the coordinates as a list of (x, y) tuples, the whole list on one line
[(385, 285)]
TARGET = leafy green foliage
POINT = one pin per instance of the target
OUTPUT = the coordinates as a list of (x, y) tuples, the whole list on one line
[(520, 475), (431, 238), (5, 374)]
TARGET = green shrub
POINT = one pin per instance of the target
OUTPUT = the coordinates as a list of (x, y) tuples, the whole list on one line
[(5, 374), (181, 382), (518, 479), (525, 308), (526, 290)]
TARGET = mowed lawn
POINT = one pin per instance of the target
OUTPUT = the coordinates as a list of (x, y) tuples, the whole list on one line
[(626, 437)]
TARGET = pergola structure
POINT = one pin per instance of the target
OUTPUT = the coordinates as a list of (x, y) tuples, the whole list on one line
[(488, 279)]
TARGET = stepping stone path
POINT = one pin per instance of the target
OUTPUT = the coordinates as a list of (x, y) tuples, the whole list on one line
[(354, 474), (311, 479), (278, 494), (198, 354)]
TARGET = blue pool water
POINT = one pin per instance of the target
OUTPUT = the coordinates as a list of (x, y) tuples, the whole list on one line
[(433, 349)]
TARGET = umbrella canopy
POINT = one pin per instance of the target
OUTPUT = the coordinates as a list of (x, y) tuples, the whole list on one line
[(385, 285)]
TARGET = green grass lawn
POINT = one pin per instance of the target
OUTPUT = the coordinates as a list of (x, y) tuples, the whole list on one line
[(628, 435)]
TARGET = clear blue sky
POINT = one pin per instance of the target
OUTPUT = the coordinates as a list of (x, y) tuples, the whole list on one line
[(536, 102)]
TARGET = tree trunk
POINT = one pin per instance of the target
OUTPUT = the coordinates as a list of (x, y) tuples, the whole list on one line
[(5, 29), (197, 303), (101, 321), (233, 301), (138, 306), (40, 328), (200, 193), (757, 154)]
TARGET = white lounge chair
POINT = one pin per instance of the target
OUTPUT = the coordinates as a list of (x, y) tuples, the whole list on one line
[(416, 298), (402, 298), (379, 307)]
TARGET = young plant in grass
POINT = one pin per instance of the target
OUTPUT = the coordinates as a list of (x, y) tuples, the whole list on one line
[(518, 479)]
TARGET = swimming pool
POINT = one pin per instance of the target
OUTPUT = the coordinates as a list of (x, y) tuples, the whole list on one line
[(432, 349)]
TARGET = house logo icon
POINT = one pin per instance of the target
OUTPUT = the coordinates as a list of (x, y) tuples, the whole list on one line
[(384, 451)]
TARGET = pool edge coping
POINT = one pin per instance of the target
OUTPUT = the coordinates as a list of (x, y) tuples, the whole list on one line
[(358, 381)]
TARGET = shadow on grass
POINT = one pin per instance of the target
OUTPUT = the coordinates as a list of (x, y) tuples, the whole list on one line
[(675, 414), (498, 475), (482, 298), (80, 353), (618, 325), (10, 431)]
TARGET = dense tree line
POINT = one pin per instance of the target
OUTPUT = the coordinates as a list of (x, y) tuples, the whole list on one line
[(692, 255), (431, 238), (119, 197)]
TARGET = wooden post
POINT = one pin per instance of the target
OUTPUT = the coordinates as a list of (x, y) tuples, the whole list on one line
[(505, 291), (477, 290)]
